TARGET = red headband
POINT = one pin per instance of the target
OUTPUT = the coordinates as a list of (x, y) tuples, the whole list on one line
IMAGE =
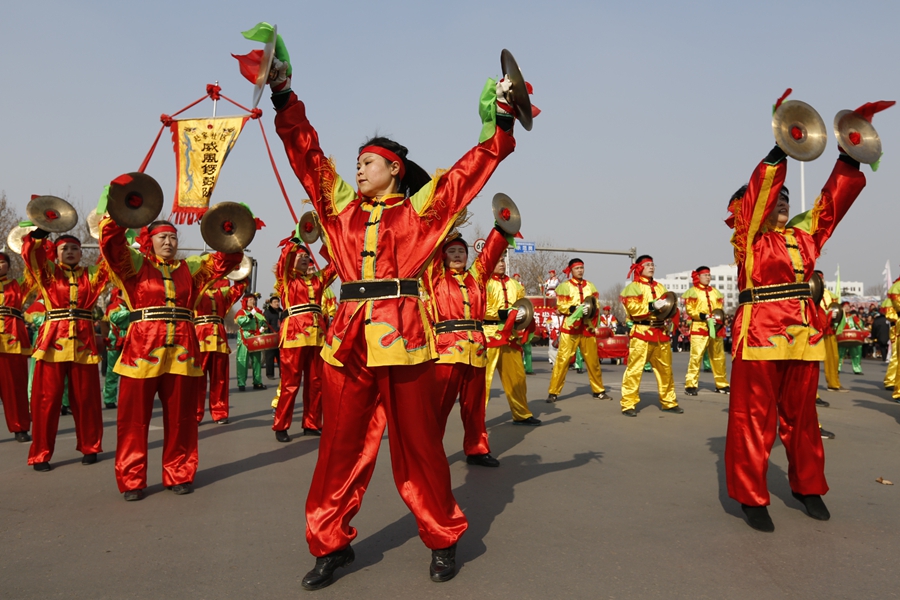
[(456, 241), (386, 154), (66, 239), (637, 267), (568, 270), (145, 238), (695, 276)]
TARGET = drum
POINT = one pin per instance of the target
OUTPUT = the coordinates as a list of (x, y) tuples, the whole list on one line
[(258, 343), (604, 332), (614, 346), (851, 337)]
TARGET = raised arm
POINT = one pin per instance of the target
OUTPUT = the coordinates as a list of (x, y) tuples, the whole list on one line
[(494, 247)]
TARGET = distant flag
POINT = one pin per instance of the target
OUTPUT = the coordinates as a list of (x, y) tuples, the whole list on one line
[(887, 276), (837, 286)]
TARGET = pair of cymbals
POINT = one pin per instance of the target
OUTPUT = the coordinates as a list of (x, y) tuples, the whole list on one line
[(310, 229), (518, 94), (526, 305), (506, 214), (228, 227), (243, 270), (51, 213), (135, 200), (16, 237), (665, 307), (800, 132)]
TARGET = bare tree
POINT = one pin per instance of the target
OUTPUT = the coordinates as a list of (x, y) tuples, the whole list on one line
[(9, 218), (534, 268), (610, 297)]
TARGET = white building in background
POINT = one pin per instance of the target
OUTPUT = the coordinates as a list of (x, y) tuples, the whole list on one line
[(722, 277)]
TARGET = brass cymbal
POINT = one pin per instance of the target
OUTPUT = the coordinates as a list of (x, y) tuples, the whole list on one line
[(521, 101), (15, 237), (228, 227), (243, 270), (309, 227), (506, 214), (93, 221), (816, 288), (52, 214), (528, 307), (265, 65), (135, 200), (666, 307), (719, 315), (799, 130), (849, 127), (593, 306)]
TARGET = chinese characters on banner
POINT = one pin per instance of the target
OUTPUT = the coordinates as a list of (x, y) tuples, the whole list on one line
[(201, 147)]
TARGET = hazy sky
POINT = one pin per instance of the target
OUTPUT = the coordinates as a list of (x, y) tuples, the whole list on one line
[(654, 112)]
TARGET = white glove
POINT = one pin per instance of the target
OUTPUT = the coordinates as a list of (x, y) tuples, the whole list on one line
[(278, 77), (503, 100), (521, 313), (586, 310)]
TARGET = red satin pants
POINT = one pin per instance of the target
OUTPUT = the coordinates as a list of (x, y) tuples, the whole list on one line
[(361, 400), (46, 401), (467, 383), (179, 406), (215, 369), (303, 363), (14, 391), (765, 395)]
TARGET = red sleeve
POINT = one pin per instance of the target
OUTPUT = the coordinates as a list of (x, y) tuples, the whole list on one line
[(840, 191), (494, 247)]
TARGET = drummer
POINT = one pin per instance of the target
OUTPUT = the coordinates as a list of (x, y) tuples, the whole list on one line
[(15, 348), (251, 323), (161, 355), (853, 322)]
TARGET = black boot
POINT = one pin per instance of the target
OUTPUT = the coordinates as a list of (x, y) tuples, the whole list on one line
[(322, 575), (22, 436), (282, 435), (758, 518), (815, 507), (89, 459), (443, 564)]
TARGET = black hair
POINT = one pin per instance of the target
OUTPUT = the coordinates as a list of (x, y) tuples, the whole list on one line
[(702, 268), (159, 223), (414, 178), (642, 257), (575, 260), (784, 193)]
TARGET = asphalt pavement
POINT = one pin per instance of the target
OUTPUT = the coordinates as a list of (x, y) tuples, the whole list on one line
[(588, 505)]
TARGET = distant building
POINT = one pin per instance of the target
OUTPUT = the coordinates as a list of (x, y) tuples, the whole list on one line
[(724, 279)]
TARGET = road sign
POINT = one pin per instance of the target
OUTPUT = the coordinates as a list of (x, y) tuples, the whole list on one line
[(525, 248), (478, 245)]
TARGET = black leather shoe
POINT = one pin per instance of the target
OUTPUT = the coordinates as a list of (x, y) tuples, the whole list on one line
[(313, 432), (133, 495), (89, 459), (629, 412), (42, 466), (22, 436), (690, 391), (259, 386), (602, 396), (322, 575), (242, 388), (758, 518), (483, 460), (552, 398), (528, 421), (182, 489), (815, 507), (282, 436), (64, 410), (110, 405), (822, 403), (224, 421), (443, 564), (579, 371), (675, 409), (826, 435), (724, 390)]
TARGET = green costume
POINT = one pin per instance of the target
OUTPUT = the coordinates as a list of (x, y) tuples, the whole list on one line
[(251, 322), (119, 319), (850, 322)]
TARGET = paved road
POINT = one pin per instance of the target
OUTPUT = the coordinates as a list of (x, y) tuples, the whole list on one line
[(589, 505)]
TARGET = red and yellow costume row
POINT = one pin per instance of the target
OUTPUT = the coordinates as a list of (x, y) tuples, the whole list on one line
[(699, 302), (892, 377), (161, 355), (576, 335), (66, 348), (380, 348), (301, 338), (832, 362), (649, 343), (778, 332), (15, 348), (458, 302), (209, 323), (502, 292)]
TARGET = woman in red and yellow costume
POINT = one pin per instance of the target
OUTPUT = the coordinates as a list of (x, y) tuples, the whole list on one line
[(301, 337), (778, 337), (209, 323), (379, 351), (161, 355), (15, 348), (66, 346), (458, 302)]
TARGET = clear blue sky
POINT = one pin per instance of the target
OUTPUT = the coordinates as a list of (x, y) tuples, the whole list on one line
[(654, 112)]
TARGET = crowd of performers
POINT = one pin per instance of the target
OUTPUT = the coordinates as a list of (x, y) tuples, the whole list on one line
[(414, 331)]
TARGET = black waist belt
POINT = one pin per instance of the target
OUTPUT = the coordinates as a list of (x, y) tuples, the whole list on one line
[(651, 323), (6, 311), (63, 314), (379, 289), (214, 319), (458, 325), (162, 313), (299, 309), (491, 322), (771, 293)]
